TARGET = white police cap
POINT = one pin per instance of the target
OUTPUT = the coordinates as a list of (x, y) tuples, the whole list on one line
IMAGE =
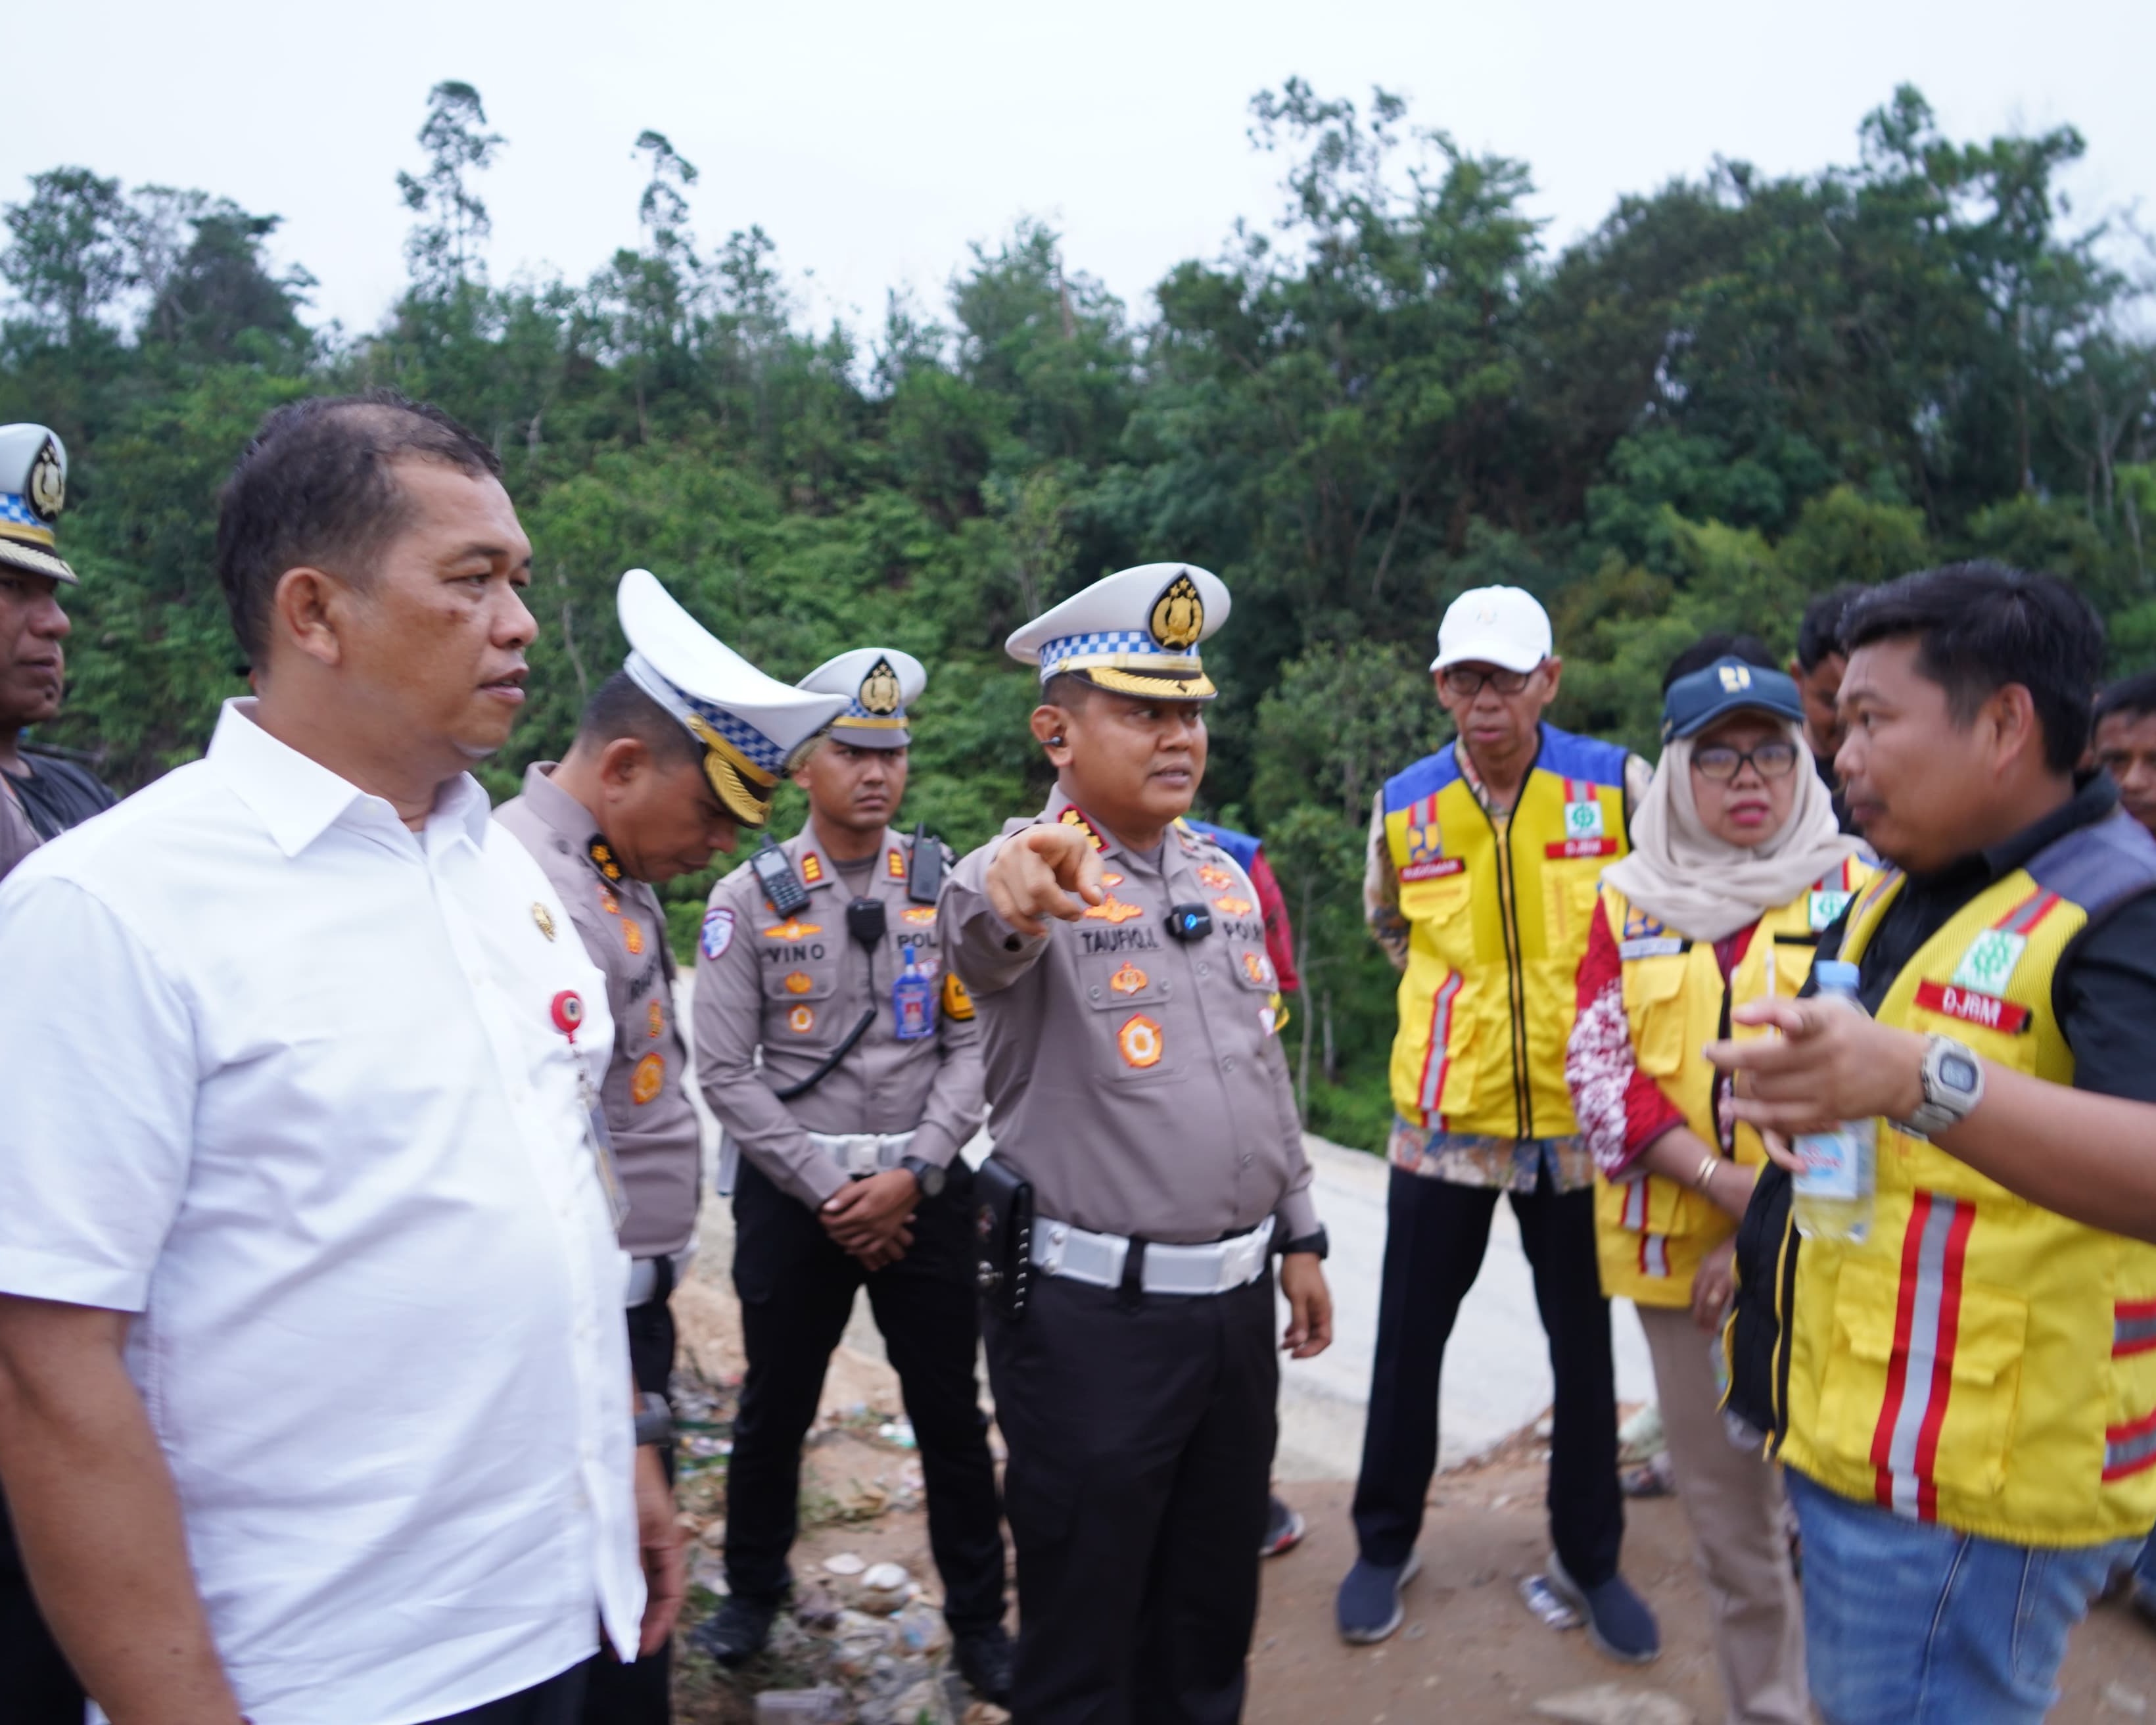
[(753, 727), (880, 684), (33, 492), (1136, 632)]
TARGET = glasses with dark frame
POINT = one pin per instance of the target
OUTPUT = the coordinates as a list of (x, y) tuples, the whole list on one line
[(1721, 763), (1466, 682)]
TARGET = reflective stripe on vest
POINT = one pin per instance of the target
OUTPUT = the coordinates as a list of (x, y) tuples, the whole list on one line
[(1921, 1376)]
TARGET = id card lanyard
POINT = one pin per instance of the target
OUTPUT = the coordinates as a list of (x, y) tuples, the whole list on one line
[(568, 1015)]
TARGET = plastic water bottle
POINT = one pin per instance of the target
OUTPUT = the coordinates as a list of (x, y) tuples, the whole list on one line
[(1834, 1193)]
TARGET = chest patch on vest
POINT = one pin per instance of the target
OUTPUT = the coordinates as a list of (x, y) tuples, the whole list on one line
[(1652, 946), (1583, 820), (1565, 849), (1987, 1010), (1434, 868), (1988, 965), (1823, 906)]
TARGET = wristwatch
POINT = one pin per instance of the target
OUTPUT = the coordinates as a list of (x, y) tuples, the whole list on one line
[(654, 1420), (1320, 1243), (1953, 1085), (927, 1175)]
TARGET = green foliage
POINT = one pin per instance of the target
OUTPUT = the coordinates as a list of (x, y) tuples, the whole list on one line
[(1736, 392)]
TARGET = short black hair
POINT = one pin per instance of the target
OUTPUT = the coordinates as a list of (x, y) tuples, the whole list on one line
[(2134, 696), (1068, 690), (1818, 635), (315, 486), (1981, 626), (619, 708), (1719, 643)]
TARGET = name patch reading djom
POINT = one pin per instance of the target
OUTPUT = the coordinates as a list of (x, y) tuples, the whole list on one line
[(1970, 1007), (1563, 848)]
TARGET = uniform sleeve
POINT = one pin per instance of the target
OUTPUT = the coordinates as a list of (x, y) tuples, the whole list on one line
[(1621, 1110), (17, 838), (97, 1113), (1381, 890), (1295, 1215), (955, 1100), (729, 1026), (984, 952), (2105, 1000)]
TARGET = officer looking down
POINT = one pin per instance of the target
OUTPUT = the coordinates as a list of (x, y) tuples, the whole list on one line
[(826, 954), (641, 798), (1149, 1165)]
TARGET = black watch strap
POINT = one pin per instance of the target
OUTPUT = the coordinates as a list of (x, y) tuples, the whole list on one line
[(927, 1175)]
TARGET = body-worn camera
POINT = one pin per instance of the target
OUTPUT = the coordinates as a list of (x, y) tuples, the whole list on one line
[(1188, 923)]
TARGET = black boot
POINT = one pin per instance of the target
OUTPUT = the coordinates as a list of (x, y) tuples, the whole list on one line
[(983, 1658), (738, 1633)]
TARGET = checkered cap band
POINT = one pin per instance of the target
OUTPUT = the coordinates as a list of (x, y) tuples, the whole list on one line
[(856, 714), (15, 507), (742, 734), (1109, 646)]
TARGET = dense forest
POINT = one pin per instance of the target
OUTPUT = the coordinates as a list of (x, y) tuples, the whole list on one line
[(1737, 390)]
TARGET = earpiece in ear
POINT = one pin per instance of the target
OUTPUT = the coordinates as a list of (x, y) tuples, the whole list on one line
[(1056, 740)]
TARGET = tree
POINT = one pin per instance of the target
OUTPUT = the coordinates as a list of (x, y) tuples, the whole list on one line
[(67, 257), (441, 251)]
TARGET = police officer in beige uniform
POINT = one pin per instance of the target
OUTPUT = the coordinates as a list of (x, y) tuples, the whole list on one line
[(1141, 1109), (827, 953), (644, 794)]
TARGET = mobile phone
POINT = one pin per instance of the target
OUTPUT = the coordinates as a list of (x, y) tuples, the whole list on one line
[(776, 876)]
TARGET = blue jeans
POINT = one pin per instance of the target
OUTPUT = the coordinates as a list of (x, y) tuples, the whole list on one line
[(1908, 1623)]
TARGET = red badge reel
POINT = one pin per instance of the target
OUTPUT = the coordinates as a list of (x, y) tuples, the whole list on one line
[(568, 1013)]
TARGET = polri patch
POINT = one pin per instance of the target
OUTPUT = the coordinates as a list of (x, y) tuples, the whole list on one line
[(801, 1020), (645, 1080), (718, 932), (1140, 1042)]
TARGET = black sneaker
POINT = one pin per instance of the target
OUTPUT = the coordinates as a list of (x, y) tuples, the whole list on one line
[(983, 1658), (1284, 1530), (1618, 1622), (739, 1631)]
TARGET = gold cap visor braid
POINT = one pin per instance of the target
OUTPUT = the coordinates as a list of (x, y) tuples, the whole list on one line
[(743, 787), (16, 555), (1193, 684)]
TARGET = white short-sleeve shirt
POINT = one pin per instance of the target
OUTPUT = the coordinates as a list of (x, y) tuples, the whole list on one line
[(282, 1077)]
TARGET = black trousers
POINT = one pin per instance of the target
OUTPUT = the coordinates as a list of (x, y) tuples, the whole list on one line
[(637, 1693), (1436, 1233), (797, 1291), (555, 1701), (38, 1685), (1141, 1430)]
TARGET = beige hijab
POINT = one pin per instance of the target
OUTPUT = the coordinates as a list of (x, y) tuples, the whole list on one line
[(1705, 887)]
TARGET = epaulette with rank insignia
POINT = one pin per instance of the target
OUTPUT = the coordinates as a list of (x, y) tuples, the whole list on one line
[(602, 858), (1072, 818)]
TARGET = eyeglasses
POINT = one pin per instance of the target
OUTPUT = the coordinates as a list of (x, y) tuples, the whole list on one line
[(1722, 763), (1466, 682)]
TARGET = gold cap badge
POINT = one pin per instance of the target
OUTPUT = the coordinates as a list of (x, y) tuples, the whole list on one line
[(48, 481), (1178, 615), (879, 691), (544, 918)]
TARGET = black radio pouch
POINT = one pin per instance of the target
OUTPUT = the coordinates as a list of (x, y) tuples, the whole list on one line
[(1002, 1225)]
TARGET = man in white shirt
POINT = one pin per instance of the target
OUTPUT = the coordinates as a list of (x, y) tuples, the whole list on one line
[(315, 1406)]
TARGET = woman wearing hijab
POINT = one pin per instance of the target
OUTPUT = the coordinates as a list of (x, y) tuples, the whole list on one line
[(1737, 864)]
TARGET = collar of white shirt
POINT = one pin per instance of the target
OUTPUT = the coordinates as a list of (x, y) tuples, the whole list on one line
[(299, 799)]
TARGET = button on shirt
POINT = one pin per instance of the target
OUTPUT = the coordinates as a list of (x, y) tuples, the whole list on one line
[(1135, 1080), (657, 1144), (282, 1080), (796, 986)]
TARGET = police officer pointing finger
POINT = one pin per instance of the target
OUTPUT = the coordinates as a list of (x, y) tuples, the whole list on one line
[(1148, 1166)]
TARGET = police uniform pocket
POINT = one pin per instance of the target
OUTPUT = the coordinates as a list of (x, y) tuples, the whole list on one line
[(1936, 1410), (793, 977), (1129, 1001)]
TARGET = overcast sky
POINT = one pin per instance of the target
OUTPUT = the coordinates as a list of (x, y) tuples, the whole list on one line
[(874, 142)]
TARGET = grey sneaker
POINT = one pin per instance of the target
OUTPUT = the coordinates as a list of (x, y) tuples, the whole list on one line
[(1368, 1608)]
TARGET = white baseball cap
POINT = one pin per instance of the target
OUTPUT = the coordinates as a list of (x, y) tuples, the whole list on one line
[(1503, 626)]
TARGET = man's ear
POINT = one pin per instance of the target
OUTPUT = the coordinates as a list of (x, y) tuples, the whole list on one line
[(1555, 666), (308, 607), (622, 760), (2010, 711), (1051, 727)]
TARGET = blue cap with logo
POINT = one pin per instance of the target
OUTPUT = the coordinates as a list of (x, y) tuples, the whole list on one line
[(1730, 685)]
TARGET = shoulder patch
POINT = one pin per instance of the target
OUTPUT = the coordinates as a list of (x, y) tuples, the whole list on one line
[(718, 932)]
